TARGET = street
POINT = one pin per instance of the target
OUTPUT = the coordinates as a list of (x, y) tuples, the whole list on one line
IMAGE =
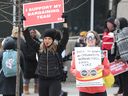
[(72, 91)]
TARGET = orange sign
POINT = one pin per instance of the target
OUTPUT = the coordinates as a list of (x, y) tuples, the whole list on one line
[(43, 12)]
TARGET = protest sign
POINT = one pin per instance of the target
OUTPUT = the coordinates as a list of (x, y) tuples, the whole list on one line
[(118, 67), (87, 61), (43, 12)]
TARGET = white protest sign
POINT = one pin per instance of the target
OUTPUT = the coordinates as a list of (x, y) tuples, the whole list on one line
[(87, 60)]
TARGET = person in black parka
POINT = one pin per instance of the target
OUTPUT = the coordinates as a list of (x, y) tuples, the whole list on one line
[(31, 61), (8, 84), (49, 67)]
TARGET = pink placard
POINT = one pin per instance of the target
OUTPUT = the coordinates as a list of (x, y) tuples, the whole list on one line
[(43, 12), (118, 67)]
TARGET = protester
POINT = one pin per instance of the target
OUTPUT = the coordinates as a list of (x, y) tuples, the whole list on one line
[(81, 40), (119, 49), (108, 37), (14, 35), (21, 42), (29, 56), (31, 61), (49, 67), (8, 84), (92, 40)]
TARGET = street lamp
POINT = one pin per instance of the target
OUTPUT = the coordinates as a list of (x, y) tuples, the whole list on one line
[(92, 16), (14, 12)]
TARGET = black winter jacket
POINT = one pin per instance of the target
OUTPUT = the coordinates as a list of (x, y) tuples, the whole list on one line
[(48, 62)]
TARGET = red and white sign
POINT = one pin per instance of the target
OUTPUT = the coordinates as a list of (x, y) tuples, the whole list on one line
[(118, 67), (43, 12)]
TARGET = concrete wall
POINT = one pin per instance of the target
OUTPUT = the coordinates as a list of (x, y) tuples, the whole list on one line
[(122, 8)]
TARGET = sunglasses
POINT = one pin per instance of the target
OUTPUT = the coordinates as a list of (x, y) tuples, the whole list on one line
[(90, 38)]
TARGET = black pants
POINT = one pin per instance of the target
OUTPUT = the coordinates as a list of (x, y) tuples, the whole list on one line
[(49, 87), (119, 82), (96, 94), (11, 95), (111, 57), (123, 86)]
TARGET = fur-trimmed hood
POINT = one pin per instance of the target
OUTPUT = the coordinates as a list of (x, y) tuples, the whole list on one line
[(52, 48)]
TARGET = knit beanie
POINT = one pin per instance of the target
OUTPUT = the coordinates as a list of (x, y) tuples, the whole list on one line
[(54, 34)]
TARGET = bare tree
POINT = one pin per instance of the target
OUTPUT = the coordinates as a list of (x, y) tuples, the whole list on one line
[(114, 8)]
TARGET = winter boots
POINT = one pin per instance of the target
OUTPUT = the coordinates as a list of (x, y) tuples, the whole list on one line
[(26, 89)]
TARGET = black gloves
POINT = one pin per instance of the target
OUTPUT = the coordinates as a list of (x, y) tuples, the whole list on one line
[(65, 20), (64, 77), (23, 18), (65, 17)]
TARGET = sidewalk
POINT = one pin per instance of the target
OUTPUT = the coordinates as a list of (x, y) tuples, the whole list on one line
[(72, 91), (70, 87)]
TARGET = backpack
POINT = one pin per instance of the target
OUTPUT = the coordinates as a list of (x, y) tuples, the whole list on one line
[(9, 63)]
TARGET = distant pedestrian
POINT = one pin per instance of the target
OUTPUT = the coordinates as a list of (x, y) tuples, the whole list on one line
[(81, 39), (92, 40), (8, 84)]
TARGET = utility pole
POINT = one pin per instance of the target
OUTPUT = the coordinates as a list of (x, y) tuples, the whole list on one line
[(17, 22)]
